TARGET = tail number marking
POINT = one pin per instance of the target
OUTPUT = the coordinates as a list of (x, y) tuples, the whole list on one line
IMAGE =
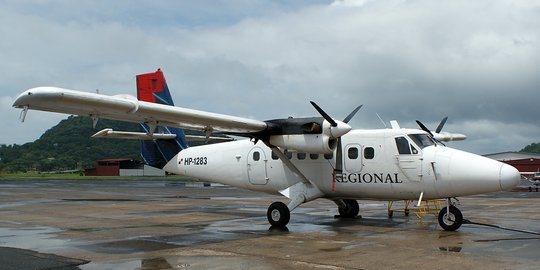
[(194, 161)]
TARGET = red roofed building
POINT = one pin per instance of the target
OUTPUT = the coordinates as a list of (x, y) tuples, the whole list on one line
[(122, 167), (526, 163)]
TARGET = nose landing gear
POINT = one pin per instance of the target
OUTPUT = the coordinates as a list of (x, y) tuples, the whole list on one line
[(450, 218)]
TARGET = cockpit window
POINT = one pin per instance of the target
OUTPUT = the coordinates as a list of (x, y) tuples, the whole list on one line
[(403, 146), (422, 140)]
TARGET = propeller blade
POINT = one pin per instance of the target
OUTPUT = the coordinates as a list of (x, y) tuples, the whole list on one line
[(324, 114), (424, 128), (441, 125), (339, 157), (351, 115)]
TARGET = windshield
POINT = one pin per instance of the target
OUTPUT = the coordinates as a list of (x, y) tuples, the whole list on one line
[(421, 140)]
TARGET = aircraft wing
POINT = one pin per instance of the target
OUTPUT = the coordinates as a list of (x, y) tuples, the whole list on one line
[(128, 108)]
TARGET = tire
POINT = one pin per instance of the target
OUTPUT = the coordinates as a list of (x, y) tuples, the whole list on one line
[(455, 221), (278, 214), (350, 210)]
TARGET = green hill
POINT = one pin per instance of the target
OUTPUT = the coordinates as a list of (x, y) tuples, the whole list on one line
[(68, 146), (531, 148)]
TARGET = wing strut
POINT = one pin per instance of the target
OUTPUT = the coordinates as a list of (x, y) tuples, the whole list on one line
[(23, 113), (300, 192)]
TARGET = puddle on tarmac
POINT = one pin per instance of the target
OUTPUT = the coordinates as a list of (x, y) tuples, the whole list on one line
[(185, 262), (128, 246), (17, 204), (42, 239), (100, 200)]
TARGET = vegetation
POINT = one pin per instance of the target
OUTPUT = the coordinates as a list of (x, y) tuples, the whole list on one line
[(68, 146), (531, 148)]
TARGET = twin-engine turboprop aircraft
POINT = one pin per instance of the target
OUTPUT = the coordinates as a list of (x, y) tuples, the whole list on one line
[(302, 158)]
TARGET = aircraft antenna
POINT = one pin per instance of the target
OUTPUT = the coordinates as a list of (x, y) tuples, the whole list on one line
[(381, 120)]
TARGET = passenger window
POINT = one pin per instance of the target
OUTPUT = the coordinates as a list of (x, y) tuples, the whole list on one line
[(288, 154), (369, 153), (301, 156), (274, 156), (403, 146), (329, 156), (314, 156), (256, 156), (353, 153)]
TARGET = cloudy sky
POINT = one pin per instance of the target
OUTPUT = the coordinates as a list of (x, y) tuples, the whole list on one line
[(477, 62)]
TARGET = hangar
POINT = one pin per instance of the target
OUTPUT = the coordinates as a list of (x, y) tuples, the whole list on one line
[(122, 167), (524, 162)]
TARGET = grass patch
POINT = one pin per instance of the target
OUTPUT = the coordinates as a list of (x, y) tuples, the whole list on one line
[(77, 176)]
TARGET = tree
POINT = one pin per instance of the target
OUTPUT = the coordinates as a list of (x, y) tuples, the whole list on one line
[(531, 148)]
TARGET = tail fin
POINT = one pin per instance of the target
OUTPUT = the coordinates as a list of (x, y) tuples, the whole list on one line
[(152, 87)]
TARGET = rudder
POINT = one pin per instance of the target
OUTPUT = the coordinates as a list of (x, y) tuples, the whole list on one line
[(152, 87)]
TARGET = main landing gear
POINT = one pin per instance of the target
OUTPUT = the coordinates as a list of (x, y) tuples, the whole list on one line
[(348, 208), (278, 214), (450, 218)]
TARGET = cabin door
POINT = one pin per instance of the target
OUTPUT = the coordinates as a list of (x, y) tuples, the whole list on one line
[(256, 167)]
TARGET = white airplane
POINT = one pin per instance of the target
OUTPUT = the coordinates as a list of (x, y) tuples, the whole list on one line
[(534, 179), (301, 158)]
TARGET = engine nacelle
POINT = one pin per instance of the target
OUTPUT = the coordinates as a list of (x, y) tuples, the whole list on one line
[(446, 136), (306, 143)]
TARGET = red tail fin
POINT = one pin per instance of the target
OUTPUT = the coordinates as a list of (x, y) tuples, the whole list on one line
[(152, 87)]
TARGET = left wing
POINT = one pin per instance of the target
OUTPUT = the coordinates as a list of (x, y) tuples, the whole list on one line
[(128, 108), (154, 108)]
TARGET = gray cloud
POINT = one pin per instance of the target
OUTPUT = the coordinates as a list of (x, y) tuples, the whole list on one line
[(473, 61)]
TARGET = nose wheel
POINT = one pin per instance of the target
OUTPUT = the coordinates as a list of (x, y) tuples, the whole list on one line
[(450, 220)]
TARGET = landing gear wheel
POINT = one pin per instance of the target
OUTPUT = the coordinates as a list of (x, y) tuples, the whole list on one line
[(278, 214), (450, 221), (350, 210)]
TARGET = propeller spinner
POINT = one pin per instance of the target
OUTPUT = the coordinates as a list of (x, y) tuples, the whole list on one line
[(337, 130)]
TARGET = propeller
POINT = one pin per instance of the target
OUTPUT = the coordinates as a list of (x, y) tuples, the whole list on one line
[(337, 129), (441, 125), (437, 131), (424, 128), (324, 114)]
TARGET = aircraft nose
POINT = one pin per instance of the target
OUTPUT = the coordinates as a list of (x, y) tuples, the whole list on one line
[(508, 177)]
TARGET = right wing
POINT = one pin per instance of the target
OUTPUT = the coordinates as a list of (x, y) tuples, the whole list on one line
[(128, 108)]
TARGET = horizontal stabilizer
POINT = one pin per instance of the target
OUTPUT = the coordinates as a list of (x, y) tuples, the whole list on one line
[(196, 138), (112, 134)]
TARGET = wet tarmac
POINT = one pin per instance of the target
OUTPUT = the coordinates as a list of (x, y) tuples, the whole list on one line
[(175, 224)]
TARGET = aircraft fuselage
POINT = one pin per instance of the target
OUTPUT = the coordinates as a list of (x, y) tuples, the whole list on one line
[(374, 168)]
